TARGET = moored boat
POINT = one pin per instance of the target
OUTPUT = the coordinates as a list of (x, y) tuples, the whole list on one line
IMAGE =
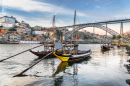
[(69, 57), (29, 42), (42, 54), (105, 47)]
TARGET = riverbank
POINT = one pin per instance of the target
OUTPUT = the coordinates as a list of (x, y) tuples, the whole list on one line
[(2, 42), (20, 42)]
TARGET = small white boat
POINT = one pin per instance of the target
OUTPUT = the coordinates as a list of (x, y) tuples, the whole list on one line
[(29, 42)]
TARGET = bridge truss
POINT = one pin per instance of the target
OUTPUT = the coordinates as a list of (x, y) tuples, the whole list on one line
[(99, 25)]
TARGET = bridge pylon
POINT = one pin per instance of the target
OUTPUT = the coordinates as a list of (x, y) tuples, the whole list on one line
[(121, 29)]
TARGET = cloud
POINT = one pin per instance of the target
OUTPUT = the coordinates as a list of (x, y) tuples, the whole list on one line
[(44, 22), (123, 14), (97, 6), (109, 3), (32, 21), (32, 5), (97, 0), (105, 2), (2, 14)]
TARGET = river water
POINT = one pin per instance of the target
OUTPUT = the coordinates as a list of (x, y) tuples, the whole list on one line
[(102, 69)]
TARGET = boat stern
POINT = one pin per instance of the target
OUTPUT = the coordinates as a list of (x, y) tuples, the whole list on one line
[(62, 58)]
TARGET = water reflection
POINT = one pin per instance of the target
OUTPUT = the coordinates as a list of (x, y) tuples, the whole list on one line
[(128, 67), (62, 68), (104, 69), (103, 51), (58, 81)]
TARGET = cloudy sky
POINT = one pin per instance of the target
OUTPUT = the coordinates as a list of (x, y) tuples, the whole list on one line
[(40, 12)]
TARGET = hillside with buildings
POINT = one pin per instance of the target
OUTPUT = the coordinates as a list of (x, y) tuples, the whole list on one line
[(13, 30)]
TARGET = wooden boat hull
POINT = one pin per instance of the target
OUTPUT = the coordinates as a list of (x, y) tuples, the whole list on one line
[(62, 58), (78, 59), (105, 49), (42, 54), (73, 58)]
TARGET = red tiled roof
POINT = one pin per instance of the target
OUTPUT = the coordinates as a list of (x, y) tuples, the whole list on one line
[(7, 22)]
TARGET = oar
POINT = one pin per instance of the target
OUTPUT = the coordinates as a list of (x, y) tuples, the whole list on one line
[(34, 64), (20, 53)]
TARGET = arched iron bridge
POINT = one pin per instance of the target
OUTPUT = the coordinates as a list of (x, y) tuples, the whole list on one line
[(99, 25)]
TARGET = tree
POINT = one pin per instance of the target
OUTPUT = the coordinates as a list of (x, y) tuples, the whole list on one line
[(12, 29), (114, 36), (119, 36), (58, 33), (1, 26)]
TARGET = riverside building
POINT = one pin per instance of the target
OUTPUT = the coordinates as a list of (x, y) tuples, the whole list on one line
[(7, 21)]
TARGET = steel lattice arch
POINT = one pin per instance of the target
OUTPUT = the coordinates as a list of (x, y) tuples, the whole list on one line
[(99, 25)]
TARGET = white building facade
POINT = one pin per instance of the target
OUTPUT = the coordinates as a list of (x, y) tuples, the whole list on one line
[(7, 21), (38, 32)]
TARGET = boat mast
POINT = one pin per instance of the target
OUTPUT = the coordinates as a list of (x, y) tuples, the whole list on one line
[(74, 30), (106, 34), (53, 30)]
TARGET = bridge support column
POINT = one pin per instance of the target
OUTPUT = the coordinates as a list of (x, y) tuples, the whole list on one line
[(93, 33), (121, 29), (93, 30)]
